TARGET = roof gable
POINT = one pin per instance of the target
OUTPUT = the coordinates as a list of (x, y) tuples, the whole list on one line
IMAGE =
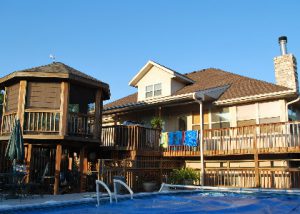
[(134, 81)]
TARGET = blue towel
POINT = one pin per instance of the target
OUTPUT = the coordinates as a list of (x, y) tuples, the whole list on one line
[(191, 138), (171, 138), (178, 138)]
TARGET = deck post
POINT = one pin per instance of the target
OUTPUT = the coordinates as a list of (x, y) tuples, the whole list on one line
[(3, 109), (22, 101), (28, 159), (256, 160), (83, 168), (64, 105), (57, 168), (98, 116)]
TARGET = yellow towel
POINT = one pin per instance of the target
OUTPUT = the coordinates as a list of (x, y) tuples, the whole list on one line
[(164, 140)]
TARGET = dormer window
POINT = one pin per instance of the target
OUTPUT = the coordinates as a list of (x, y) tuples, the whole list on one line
[(149, 91), (153, 90), (157, 89)]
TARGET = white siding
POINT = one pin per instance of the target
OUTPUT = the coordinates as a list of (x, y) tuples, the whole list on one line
[(153, 76), (175, 86)]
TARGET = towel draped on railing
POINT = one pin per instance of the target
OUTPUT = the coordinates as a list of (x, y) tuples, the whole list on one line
[(180, 138)]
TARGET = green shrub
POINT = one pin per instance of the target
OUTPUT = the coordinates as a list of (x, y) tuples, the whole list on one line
[(179, 176), (156, 123)]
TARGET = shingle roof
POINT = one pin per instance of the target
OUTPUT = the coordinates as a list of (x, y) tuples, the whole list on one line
[(239, 86), (58, 70), (58, 67)]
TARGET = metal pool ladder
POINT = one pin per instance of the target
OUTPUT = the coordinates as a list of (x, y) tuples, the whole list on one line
[(98, 182), (115, 194), (123, 184)]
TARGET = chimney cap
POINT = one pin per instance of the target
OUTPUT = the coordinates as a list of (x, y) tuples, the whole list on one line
[(282, 38)]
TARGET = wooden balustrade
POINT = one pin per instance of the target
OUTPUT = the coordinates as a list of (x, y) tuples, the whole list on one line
[(41, 121), (8, 121), (130, 137), (234, 177), (279, 178), (80, 125), (274, 137), (136, 172)]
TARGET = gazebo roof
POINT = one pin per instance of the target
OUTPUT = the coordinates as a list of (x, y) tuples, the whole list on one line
[(57, 70)]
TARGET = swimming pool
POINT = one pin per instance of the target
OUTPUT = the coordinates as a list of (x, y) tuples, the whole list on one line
[(194, 202)]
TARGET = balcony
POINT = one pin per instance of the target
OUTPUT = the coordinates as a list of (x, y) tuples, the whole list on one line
[(130, 138), (263, 139), (46, 124)]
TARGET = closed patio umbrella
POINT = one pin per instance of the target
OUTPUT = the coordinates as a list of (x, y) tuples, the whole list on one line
[(15, 147)]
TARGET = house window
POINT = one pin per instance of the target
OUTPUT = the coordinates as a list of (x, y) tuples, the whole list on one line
[(220, 118), (149, 91), (182, 123), (246, 115), (153, 90), (157, 89), (196, 121)]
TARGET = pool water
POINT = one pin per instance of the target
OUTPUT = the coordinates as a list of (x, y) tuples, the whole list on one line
[(205, 202)]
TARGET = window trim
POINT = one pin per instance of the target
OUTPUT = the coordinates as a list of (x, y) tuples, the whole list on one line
[(151, 92), (148, 91)]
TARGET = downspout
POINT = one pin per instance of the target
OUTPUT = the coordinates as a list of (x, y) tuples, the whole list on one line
[(287, 107), (199, 101)]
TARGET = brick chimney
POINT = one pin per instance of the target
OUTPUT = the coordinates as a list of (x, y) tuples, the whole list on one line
[(286, 67)]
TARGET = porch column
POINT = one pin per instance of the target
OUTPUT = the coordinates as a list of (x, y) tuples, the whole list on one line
[(22, 101), (256, 161), (83, 168), (28, 159), (3, 108), (98, 115), (57, 168), (64, 108)]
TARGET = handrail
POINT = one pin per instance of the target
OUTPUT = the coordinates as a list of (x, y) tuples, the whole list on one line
[(179, 186), (123, 184), (32, 110), (98, 182)]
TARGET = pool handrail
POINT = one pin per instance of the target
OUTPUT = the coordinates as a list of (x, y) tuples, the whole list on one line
[(163, 185), (232, 189), (98, 182), (115, 181)]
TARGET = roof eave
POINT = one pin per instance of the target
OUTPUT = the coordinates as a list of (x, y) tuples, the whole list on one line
[(258, 97), (32, 75)]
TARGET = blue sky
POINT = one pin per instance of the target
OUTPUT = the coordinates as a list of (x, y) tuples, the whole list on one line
[(111, 40)]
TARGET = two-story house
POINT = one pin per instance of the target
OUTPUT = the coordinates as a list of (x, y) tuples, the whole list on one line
[(241, 123)]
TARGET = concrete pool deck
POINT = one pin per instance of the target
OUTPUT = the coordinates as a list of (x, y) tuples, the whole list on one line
[(46, 200)]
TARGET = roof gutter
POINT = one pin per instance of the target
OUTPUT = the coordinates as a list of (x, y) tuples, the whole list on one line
[(255, 97), (287, 107)]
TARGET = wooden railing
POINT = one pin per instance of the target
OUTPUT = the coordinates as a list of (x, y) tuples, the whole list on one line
[(41, 121), (80, 125), (279, 178), (136, 172), (8, 121), (274, 137), (130, 137)]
